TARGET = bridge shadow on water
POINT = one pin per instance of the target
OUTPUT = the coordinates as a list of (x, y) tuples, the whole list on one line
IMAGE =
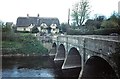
[(71, 73)]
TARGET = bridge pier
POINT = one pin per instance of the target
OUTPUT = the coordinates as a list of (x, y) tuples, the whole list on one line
[(53, 50), (60, 55), (73, 60), (80, 75)]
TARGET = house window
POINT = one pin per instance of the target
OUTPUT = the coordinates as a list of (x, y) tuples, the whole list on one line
[(24, 29), (53, 29)]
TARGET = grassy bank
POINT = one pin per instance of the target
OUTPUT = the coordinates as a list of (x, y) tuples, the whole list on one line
[(22, 43)]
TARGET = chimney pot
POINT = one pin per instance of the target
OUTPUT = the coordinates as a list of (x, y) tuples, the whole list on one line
[(27, 15), (38, 15)]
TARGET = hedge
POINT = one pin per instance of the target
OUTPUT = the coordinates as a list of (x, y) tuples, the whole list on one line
[(102, 31)]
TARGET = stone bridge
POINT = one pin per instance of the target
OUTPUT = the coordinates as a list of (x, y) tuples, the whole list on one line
[(94, 54)]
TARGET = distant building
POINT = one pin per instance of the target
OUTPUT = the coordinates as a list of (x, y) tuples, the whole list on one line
[(9, 24), (44, 24), (119, 7)]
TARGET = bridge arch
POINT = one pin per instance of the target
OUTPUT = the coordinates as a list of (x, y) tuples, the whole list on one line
[(54, 45), (73, 59), (97, 67), (53, 50), (60, 55)]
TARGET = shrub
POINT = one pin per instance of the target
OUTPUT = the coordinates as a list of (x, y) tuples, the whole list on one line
[(102, 31), (35, 30), (31, 45), (106, 31), (73, 32), (78, 32)]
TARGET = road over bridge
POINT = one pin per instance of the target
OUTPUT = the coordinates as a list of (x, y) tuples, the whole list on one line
[(97, 55)]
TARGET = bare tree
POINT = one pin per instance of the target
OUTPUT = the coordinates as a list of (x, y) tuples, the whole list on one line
[(80, 12)]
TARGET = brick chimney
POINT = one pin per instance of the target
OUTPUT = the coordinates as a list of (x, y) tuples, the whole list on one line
[(38, 15), (28, 15)]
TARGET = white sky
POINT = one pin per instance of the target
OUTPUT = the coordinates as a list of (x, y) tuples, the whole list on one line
[(11, 9)]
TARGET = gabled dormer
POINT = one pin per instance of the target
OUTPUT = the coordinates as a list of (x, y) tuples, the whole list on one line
[(44, 25), (53, 26)]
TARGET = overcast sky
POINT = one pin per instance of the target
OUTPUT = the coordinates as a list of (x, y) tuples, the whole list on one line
[(11, 9)]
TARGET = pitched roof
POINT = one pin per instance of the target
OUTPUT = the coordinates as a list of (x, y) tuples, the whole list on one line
[(9, 23), (49, 21), (37, 21), (26, 21)]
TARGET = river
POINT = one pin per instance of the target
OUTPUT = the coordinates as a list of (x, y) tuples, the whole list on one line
[(32, 67)]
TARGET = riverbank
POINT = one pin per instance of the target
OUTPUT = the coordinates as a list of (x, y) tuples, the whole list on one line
[(23, 45), (22, 55)]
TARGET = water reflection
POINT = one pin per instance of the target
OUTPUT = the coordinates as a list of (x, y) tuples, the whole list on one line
[(28, 73), (39, 67)]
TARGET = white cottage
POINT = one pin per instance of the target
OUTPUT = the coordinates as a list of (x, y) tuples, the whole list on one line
[(44, 24)]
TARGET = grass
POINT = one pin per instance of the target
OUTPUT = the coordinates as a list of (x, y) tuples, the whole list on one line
[(11, 44), (25, 43)]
